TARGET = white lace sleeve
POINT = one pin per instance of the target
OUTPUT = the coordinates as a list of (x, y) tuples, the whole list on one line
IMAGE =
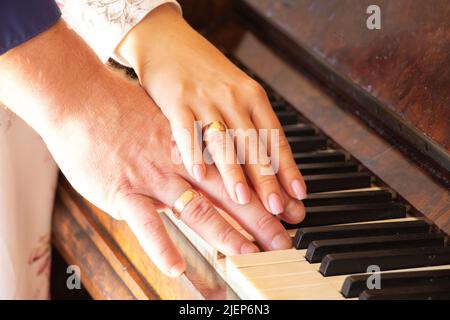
[(103, 23)]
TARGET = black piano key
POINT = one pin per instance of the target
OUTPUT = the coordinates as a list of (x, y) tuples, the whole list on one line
[(304, 236), (338, 181), (287, 117), (319, 156), (328, 167), (358, 262), (350, 197), (329, 215), (279, 105), (272, 95), (299, 130), (320, 248), (431, 292), (308, 143), (354, 285)]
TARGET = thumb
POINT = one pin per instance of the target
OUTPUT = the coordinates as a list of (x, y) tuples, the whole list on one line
[(146, 224)]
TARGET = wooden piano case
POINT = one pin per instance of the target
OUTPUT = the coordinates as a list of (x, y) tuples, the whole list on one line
[(377, 100)]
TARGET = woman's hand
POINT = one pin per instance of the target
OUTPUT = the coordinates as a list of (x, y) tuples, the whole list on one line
[(113, 144), (192, 81)]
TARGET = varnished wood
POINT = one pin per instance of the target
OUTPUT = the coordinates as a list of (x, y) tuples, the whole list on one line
[(104, 244), (396, 77), (202, 13), (75, 246)]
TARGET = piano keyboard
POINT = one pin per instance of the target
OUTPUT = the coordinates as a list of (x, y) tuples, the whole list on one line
[(351, 224)]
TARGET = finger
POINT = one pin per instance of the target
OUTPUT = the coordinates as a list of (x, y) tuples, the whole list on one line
[(203, 218), (221, 147), (294, 211), (257, 164), (189, 142), (288, 173), (140, 214), (261, 224)]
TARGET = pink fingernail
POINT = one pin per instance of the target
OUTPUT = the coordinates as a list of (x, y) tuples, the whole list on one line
[(298, 189), (275, 203), (199, 172), (242, 193), (281, 241), (295, 211), (249, 248)]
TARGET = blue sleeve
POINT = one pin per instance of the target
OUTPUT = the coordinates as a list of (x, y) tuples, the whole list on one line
[(20, 20)]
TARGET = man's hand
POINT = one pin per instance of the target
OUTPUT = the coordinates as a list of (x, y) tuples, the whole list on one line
[(114, 146)]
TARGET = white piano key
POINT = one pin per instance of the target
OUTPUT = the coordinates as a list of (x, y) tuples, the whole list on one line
[(278, 274), (287, 280), (264, 258), (313, 292), (279, 269), (295, 280)]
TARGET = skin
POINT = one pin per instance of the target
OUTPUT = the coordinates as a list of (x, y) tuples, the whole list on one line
[(189, 79), (103, 131)]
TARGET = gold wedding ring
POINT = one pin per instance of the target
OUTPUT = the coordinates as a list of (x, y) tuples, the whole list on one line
[(214, 127), (183, 201)]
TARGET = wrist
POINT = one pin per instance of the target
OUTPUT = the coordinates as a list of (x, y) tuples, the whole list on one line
[(153, 36)]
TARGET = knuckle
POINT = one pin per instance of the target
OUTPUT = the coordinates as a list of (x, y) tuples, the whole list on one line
[(199, 211), (122, 189), (202, 94), (256, 89), (164, 251), (226, 235), (153, 226), (230, 92), (158, 176), (232, 171), (264, 222), (118, 197), (266, 182), (179, 90)]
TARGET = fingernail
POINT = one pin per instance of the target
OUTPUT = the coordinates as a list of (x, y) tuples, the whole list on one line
[(294, 211), (281, 241), (177, 269), (249, 248), (199, 172), (242, 193), (298, 189), (276, 207)]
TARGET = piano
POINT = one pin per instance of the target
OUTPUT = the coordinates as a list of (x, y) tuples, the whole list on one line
[(367, 114)]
